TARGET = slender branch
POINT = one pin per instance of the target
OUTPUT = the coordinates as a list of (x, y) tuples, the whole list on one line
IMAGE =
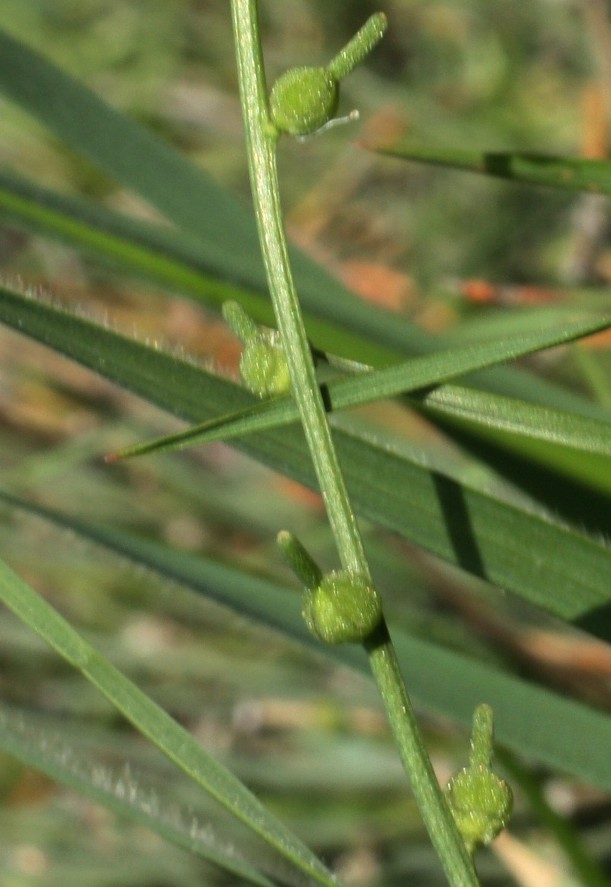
[(261, 138), (261, 146), (436, 815)]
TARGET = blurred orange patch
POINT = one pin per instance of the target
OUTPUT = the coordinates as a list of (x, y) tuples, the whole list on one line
[(378, 284), (486, 292), (599, 340), (296, 492)]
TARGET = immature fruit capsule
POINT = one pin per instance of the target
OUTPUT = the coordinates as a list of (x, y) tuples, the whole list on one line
[(481, 804), (344, 608), (263, 362), (480, 801), (263, 365), (302, 100)]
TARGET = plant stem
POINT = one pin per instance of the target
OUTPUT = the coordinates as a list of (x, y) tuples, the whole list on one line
[(261, 138), (436, 815), (261, 148)]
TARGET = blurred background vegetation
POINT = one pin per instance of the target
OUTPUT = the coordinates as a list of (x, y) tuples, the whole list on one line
[(451, 251)]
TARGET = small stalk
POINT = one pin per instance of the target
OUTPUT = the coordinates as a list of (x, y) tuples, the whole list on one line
[(261, 139), (438, 820)]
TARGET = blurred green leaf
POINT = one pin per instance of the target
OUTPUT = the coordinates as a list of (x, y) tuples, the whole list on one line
[(574, 174), (157, 253), (169, 258), (226, 234), (501, 414), (131, 155), (152, 721), (62, 755)]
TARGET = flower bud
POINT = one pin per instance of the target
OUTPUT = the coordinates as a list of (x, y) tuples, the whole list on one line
[(303, 100), (263, 365), (481, 804), (344, 608)]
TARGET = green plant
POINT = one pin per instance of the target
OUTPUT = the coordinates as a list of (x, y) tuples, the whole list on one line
[(501, 534)]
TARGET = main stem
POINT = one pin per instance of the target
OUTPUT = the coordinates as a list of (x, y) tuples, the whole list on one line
[(261, 140), (450, 847), (261, 147)]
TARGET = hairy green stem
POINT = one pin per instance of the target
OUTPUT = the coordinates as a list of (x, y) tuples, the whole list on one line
[(261, 146), (448, 843), (261, 138)]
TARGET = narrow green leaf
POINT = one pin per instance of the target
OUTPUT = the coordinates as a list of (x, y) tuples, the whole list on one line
[(161, 254), (512, 545), (151, 720), (569, 735), (518, 417), (421, 372), (170, 259), (570, 173), (567, 448), (39, 743), (564, 303), (223, 227), (260, 416), (129, 153)]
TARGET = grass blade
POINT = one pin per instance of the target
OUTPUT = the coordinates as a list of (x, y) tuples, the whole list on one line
[(118, 145), (35, 742), (557, 449), (562, 723), (574, 174), (154, 723), (510, 544), (518, 417), (222, 226), (496, 412)]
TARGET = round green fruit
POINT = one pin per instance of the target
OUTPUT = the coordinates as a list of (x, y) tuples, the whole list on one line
[(345, 608), (303, 99)]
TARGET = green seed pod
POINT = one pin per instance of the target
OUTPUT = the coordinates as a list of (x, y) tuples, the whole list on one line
[(263, 365), (344, 608), (481, 804), (302, 100)]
